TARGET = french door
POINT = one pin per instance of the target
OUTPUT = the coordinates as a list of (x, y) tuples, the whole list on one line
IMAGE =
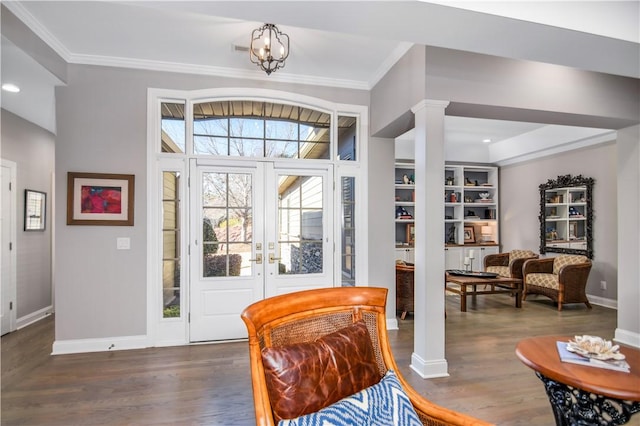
[(257, 230)]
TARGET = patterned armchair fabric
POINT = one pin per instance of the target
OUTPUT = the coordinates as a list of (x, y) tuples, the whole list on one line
[(563, 278), (508, 264)]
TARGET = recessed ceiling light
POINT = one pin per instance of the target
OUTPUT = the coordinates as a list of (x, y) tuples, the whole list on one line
[(486, 140), (8, 87)]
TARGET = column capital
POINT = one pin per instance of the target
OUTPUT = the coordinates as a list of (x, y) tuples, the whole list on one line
[(429, 103)]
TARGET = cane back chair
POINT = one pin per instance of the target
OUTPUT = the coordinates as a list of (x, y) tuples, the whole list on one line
[(308, 315)]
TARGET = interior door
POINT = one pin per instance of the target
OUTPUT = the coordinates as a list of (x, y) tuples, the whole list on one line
[(7, 283), (257, 230)]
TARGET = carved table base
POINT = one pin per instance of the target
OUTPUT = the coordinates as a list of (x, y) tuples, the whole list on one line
[(575, 407)]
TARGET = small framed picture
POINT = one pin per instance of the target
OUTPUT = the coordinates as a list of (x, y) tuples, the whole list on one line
[(100, 199), (411, 233), (469, 234), (35, 208)]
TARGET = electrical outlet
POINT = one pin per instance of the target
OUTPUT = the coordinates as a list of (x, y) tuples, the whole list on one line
[(603, 285)]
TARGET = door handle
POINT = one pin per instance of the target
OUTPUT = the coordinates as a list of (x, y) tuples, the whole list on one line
[(272, 259), (258, 259)]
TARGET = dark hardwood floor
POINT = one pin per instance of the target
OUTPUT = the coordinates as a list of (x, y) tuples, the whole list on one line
[(211, 385)]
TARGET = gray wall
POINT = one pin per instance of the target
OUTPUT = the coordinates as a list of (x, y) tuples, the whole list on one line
[(381, 235), (520, 206), (509, 89), (396, 93), (32, 149), (101, 291)]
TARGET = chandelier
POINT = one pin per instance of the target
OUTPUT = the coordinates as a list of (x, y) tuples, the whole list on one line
[(269, 48)]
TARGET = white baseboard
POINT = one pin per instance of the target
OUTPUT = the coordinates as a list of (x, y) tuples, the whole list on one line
[(120, 343), (601, 301), (392, 323), (33, 317), (627, 337), (429, 369)]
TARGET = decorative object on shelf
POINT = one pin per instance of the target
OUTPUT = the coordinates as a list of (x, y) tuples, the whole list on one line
[(35, 207), (451, 239), (411, 233), (486, 233), (468, 182), (405, 179), (556, 191), (469, 235), (449, 181), (471, 215), (402, 213), (269, 48), (490, 214), (484, 195)]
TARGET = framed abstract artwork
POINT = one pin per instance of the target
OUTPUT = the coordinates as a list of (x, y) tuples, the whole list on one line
[(100, 199)]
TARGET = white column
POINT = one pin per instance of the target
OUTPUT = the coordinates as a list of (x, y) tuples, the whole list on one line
[(628, 330), (428, 354)]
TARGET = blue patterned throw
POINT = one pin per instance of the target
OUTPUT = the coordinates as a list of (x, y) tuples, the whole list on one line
[(383, 404)]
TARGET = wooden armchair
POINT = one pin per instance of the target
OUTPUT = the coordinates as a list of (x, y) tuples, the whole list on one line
[(562, 278), (509, 264), (285, 321)]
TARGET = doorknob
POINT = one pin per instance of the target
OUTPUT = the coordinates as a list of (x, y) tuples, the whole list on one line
[(272, 259), (258, 259)]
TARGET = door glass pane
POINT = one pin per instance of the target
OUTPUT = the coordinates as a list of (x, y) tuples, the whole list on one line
[(171, 244), (227, 224), (173, 127), (300, 225), (348, 232)]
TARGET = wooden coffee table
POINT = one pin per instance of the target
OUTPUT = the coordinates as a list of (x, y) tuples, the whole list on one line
[(475, 286), (579, 394)]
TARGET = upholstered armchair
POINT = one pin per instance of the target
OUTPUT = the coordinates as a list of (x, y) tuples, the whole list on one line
[(314, 353), (562, 278), (509, 264)]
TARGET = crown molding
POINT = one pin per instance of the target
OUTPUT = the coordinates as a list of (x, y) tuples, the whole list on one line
[(214, 71), (38, 29)]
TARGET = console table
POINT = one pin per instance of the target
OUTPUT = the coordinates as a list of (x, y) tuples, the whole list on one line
[(581, 395)]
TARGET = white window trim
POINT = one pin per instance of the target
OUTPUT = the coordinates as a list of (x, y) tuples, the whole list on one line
[(173, 332)]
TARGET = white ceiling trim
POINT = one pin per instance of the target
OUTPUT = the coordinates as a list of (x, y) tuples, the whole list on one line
[(607, 137), (281, 77), (34, 25)]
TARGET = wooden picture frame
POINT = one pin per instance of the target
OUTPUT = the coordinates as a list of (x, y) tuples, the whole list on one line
[(100, 199), (469, 235), (35, 210), (411, 233)]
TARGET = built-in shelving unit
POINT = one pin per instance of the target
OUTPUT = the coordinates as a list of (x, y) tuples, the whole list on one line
[(470, 213), (404, 206)]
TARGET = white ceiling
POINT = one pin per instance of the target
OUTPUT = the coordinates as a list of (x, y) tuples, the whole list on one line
[(334, 43)]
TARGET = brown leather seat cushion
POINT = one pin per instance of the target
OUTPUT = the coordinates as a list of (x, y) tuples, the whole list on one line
[(306, 377)]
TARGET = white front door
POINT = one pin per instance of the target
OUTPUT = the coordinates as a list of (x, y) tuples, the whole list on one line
[(257, 230)]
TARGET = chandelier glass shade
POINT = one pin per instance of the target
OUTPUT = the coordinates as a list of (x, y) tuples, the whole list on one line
[(269, 48)]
